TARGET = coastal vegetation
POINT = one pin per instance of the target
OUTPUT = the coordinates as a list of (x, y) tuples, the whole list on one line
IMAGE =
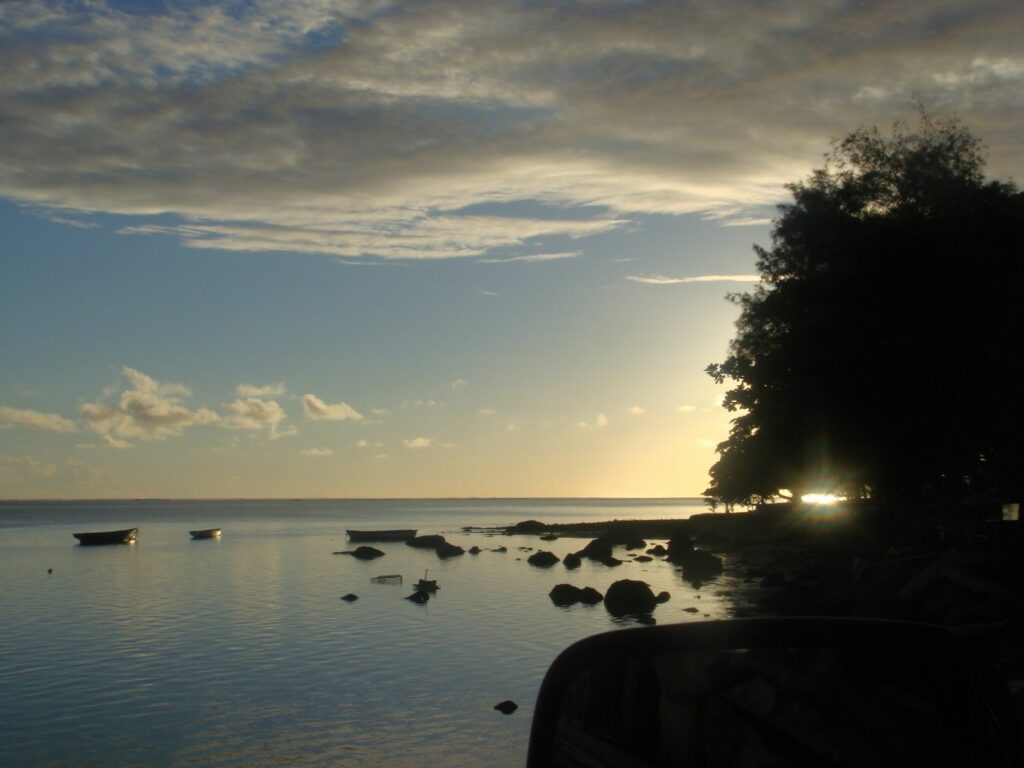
[(879, 356)]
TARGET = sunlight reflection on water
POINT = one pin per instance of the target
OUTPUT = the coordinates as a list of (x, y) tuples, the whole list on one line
[(239, 651)]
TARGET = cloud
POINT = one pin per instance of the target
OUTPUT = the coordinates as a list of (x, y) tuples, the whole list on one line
[(458, 385), (316, 452), (421, 404), (486, 412), (600, 421), (380, 412), (362, 444), (317, 410), (662, 280), (352, 130), (255, 413), (269, 390), (45, 422), (144, 410), (510, 427), (418, 442), (704, 442), (636, 410), (534, 258), (14, 469), (113, 442), (686, 408), (489, 293)]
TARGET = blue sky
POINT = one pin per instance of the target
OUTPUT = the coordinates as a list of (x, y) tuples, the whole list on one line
[(434, 249)]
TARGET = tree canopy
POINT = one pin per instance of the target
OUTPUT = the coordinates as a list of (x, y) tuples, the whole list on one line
[(881, 353)]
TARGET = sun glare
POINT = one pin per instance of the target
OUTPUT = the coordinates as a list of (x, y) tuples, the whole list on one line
[(820, 498)]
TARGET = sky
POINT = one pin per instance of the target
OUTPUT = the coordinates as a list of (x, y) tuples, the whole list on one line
[(430, 249)]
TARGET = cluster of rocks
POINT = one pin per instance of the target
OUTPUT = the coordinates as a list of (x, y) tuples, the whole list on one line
[(441, 546), (362, 553)]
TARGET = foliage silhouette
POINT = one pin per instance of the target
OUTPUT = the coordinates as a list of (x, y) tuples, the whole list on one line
[(881, 353)]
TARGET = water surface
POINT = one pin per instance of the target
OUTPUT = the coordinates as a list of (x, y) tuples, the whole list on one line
[(239, 651)]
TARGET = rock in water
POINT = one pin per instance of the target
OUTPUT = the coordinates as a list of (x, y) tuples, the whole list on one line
[(643, 559), (446, 550), (543, 559), (350, 598), (432, 541), (598, 549), (474, 550), (362, 553), (629, 597), (658, 550), (506, 707), (571, 561), (699, 565), (419, 597), (590, 596), (663, 597), (564, 595), (679, 546)]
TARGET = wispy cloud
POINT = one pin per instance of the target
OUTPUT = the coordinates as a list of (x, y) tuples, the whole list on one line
[(45, 422), (268, 390), (533, 258), (636, 410), (144, 410), (600, 421), (686, 408), (663, 280), (418, 442), (316, 452), (458, 385), (317, 410)]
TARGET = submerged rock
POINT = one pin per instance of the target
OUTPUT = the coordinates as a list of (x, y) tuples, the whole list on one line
[(571, 561), (663, 597), (350, 598), (474, 550), (419, 597), (529, 526), (500, 549), (590, 596), (362, 553), (610, 561), (629, 597), (430, 541), (657, 550), (543, 559), (643, 559), (506, 707), (549, 537)]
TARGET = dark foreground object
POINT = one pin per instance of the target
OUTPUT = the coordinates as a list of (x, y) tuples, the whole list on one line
[(506, 707), (389, 535), (805, 691), (206, 533), (126, 536)]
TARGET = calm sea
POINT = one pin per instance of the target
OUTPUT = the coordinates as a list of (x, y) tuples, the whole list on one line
[(240, 652)]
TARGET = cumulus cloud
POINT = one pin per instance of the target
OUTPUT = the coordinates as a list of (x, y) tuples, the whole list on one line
[(636, 410), (418, 442), (317, 410), (663, 280), (268, 390), (144, 409), (377, 140), (46, 422), (316, 452), (255, 413)]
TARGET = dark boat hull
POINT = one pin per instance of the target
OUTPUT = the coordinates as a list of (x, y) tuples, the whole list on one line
[(126, 536), (208, 533), (403, 534)]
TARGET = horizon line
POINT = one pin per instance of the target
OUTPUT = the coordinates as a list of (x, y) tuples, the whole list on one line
[(359, 498)]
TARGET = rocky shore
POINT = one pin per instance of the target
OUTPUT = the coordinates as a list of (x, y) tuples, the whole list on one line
[(799, 560)]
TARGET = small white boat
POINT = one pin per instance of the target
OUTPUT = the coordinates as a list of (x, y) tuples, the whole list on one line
[(206, 533)]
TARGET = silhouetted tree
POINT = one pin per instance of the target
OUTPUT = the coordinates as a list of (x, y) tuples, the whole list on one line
[(881, 353)]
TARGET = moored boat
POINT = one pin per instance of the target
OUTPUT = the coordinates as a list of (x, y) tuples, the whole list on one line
[(426, 585), (206, 533), (403, 534), (127, 536)]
